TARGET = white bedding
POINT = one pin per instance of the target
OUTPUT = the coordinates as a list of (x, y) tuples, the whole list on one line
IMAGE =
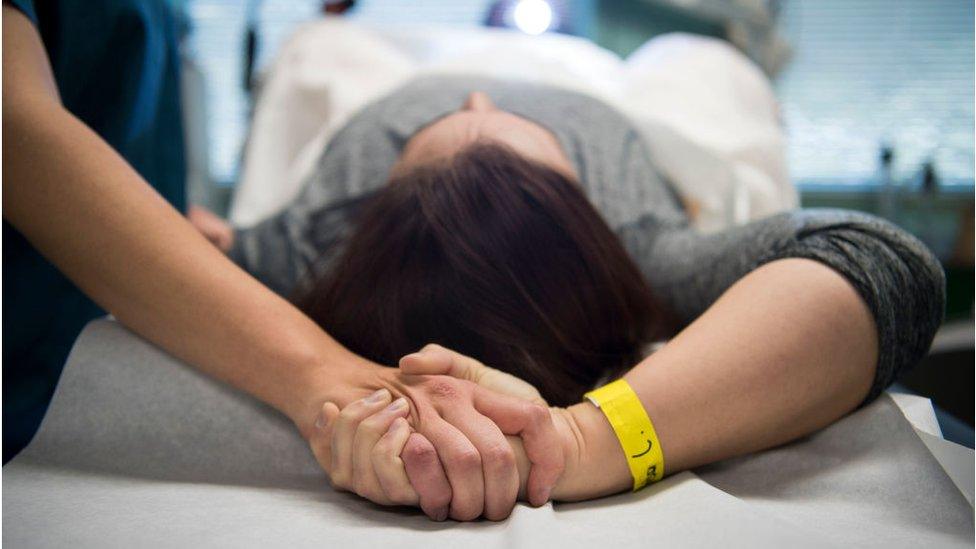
[(138, 450)]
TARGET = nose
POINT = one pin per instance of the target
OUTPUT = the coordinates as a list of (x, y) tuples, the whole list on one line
[(478, 101)]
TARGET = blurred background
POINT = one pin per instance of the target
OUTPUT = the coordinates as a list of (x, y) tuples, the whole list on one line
[(876, 95)]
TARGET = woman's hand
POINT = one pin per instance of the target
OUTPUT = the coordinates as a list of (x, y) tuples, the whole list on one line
[(516, 408), (215, 229), (434, 359), (594, 462)]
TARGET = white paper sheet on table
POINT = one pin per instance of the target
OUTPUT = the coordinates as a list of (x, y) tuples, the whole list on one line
[(139, 450)]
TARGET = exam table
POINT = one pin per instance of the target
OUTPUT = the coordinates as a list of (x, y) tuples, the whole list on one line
[(139, 450)]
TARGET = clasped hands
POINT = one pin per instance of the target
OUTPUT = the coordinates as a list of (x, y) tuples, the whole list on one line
[(449, 434)]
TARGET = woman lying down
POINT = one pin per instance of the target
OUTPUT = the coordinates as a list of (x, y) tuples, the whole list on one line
[(525, 228)]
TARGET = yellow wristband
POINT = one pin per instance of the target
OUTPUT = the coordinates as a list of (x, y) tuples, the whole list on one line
[(634, 430)]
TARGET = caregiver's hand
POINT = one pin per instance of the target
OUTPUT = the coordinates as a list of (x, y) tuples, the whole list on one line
[(360, 449)]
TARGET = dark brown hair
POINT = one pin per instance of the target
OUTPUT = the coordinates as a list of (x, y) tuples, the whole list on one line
[(496, 257)]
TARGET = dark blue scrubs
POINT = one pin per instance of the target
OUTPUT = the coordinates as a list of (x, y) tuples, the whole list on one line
[(116, 63)]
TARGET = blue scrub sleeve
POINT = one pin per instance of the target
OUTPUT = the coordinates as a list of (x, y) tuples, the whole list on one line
[(24, 6)]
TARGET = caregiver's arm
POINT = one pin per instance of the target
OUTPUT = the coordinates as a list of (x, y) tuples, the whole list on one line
[(94, 217), (85, 209)]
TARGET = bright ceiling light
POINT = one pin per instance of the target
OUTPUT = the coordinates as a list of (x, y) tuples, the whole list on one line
[(533, 16)]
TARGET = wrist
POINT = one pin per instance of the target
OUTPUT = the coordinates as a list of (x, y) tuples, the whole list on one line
[(595, 463), (340, 381)]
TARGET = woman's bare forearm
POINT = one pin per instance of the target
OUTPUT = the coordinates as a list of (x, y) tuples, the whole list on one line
[(85, 209), (787, 350)]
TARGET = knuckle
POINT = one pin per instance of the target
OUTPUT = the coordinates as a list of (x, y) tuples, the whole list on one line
[(468, 459), (537, 413), (376, 496), (439, 498), (560, 463), (364, 490), (381, 453), (496, 515), (349, 413), (500, 457), (339, 481), (372, 426), (401, 495), (419, 453), (357, 487), (465, 514), (379, 450), (443, 387), (431, 347)]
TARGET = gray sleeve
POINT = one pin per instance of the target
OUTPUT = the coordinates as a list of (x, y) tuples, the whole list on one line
[(266, 252), (282, 250), (897, 276)]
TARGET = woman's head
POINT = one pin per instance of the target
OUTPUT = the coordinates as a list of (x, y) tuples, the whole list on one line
[(479, 120), (497, 257)]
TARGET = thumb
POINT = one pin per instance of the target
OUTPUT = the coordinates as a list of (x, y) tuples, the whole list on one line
[(436, 360), (326, 416), (320, 435)]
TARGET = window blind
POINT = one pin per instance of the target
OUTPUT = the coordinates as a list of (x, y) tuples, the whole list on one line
[(872, 72)]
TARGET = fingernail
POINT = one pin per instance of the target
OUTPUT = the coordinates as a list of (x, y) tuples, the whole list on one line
[(378, 396), (397, 404), (540, 498), (545, 496), (321, 421), (411, 355), (440, 515)]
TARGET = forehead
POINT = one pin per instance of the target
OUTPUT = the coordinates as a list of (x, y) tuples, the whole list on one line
[(451, 133)]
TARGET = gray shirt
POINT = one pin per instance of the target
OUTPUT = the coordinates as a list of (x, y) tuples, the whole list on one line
[(896, 275)]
